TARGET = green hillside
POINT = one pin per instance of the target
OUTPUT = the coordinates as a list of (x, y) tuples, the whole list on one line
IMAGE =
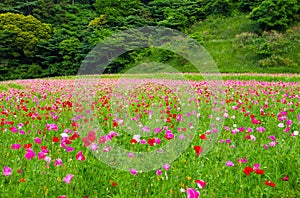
[(47, 38)]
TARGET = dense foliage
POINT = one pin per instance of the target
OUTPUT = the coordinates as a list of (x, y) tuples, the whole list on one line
[(44, 38)]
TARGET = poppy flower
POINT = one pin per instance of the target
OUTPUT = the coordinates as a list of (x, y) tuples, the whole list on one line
[(200, 183), (80, 156), (26, 146), (203, 137), (285, 178), (22, 180), (7, 171), (248, 170), (198, 150), (192, 193), (68, 178), (259, 172), (270, 183), (113, 184), (55, 139), (133, 141)]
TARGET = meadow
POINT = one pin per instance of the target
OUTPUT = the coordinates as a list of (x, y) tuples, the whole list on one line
[(136, 137)]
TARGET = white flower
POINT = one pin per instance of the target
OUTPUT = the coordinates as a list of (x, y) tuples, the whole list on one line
[(296, 133)]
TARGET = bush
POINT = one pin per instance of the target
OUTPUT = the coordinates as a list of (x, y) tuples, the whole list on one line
[(277, 61)]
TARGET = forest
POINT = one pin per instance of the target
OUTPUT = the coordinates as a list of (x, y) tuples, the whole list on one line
[(47, 38)]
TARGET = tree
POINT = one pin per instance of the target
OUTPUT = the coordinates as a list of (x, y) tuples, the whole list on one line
[(275, 14)]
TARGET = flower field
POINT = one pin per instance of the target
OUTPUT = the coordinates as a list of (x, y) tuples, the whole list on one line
[(149, 138)]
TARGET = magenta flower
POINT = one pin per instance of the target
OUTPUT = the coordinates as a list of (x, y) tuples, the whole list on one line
[(58, 162), (80, 156), (133, 171), (68, 178), (260, 129), (166, 166), (69, 149), (169, 136), (192, 193), (242, 160), (256, 166), (250, 130), (14, 130), (266, 146), (37, 140), (7, 171), (29, 154), (131, 155), (51, 127), (41, 155), (229, 163), (158, 172), (15, 146), (272, 137)]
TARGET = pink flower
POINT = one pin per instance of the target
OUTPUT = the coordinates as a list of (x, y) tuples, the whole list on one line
[(7, 171), (131, 155), (266, 146), (192, 193), (106, 149), (200, 183), (256, 166), (68, 178), (169, 136), (37, 140), (133, 171), (58, 162), (260, 129), (158, 172), (80, 156), (229, 163), (94, 147), (242, 160), (273, 143), (69, 149), (14, 130), (41, 155), (29, 154), (166, 166), (51, 127), (15, 146), (272, 137)]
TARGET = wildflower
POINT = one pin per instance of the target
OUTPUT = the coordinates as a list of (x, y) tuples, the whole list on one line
[(259, 172), (229, 163), (22, 180), (203, 137), (68, 178), (7, 171), (80, 156), (15, 146), (166, 166), (285, 178), (158, 172), (270, 183), (248, 170), (242, 160), (192, 193), (198, 150), (256, 166), (55, 139), (58, 162), (133, 171), (200, 183), (29, 154)]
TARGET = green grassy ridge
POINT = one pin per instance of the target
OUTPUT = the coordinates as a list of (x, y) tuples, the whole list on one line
[(197, 77)]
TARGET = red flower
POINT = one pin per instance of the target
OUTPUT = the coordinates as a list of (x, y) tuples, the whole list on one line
[(114, 184), (133, 141), (151, 141), (198, 150), (203, 137), (259, 172), (26, 146), (55, 139), (248, 170), (270, 183)]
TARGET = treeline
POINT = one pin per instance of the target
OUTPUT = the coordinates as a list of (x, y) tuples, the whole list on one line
[(45, 38)]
